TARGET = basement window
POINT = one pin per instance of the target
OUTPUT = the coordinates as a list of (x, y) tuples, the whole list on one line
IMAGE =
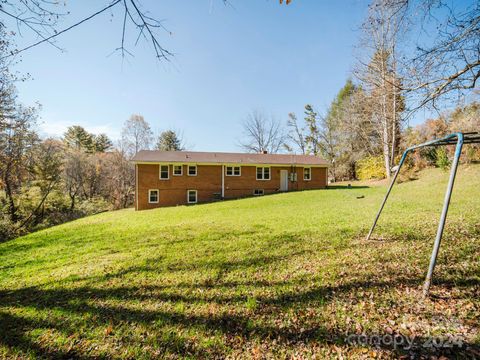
[(307, 174), (263, 173), (233, 171), (192, 196), (177, 170), (164, 172), (153, 196), (192, 170), (258, 192)]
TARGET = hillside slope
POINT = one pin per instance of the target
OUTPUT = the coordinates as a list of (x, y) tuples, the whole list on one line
[(276, 276)]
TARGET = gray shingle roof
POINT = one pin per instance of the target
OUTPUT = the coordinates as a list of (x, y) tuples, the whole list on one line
[(226, 158)]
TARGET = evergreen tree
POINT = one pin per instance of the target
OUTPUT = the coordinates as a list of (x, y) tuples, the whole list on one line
[(78, 138), (101, 143), (169, 141), (312, 139)]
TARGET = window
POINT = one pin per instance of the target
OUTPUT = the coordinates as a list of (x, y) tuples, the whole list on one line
[(258, 192), (192, 196), (177, 170), (192, 170), (164, 175), (153, 196), (263, 173), (233, 171), (307, 174)]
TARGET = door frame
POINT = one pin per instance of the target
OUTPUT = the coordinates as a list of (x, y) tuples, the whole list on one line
[(283, 180)]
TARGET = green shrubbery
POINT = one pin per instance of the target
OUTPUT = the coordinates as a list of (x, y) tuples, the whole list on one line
[(442, 160)]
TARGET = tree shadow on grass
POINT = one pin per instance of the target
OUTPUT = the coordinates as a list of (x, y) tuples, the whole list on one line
[(14, 334), (90, 305), (96, 306)]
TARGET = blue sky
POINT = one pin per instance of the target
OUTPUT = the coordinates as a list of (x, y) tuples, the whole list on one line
[(228, 61)]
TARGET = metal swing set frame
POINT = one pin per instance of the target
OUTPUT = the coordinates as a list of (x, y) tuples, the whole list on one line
[(458, 139)]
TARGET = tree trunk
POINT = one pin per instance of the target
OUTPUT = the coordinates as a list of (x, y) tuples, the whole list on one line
[(385, 122), (12, 209), (72, 203), (394, 112)]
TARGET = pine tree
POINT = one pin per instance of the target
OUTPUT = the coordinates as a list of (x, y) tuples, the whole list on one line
[(169, 141), (102, 143), (312, 138), (76, 137)]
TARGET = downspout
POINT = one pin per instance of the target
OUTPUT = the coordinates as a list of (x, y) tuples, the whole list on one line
[(326, 176), (294, 181), (136, 187), (223, 182)]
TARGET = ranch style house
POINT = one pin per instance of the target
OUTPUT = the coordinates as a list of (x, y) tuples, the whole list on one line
[(167, 178)]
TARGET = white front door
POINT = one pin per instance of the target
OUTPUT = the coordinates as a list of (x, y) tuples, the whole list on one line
[(283, 180)]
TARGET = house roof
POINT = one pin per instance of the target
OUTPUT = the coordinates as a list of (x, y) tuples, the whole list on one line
[(155, 156)]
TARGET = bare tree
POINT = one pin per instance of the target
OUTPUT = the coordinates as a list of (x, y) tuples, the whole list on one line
[(136, 135), (295, 134), (262, 133), (329, 142), (450, 64), (75, 174), (379, 75), (120, 179), (16, 141), (46, 169)]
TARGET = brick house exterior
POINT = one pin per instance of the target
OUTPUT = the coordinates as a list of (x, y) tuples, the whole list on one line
[(185, 177)]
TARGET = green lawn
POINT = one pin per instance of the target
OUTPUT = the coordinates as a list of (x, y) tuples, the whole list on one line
[(287, 275)]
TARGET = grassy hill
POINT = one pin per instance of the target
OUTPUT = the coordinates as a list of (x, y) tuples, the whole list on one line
[(277, 276)]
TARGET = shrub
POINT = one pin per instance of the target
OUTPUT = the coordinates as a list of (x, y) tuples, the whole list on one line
[(93, 206), (442, 158), (371, 167), (471, 153), (7, 230)]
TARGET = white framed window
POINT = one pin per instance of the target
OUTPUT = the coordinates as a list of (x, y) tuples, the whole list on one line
[(233, 171), (263, 173), (177, 170), (258, 192), (192, 170), (153, 196), (164, 172), (192, 196), (307, 174)]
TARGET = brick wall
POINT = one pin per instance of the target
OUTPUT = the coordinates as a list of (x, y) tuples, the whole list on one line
[(208, 183)]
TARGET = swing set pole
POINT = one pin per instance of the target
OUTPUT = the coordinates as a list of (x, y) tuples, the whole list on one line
[(443, 217), (402, 160), (448, 140)]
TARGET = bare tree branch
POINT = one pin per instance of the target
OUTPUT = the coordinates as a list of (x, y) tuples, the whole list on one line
[(41, 18), (262, 133)]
